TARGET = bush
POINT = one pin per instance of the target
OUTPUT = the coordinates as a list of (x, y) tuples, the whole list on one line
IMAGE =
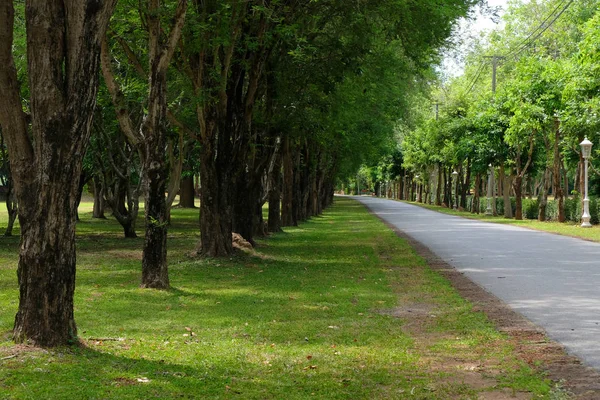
[(531, 208), (573, 208)]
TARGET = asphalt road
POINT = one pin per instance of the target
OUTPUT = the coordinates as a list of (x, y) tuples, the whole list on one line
[(552, 280)]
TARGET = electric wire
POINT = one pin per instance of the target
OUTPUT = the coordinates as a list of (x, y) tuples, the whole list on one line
[(528, 41), (520, 49), (474, 81), (533, 32)]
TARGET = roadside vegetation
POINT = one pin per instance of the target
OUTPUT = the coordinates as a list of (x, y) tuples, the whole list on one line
[(339, 307), (570, 228)]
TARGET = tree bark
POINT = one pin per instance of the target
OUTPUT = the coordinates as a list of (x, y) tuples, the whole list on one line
[(12, 207), (287, 210), (543, 196), (556, 174), (215, 205), (506, 183), (186, 192), (63, 47), (476, 194), (274, 221), (518, 187), (98, 211), (438, 188), (154, 129)]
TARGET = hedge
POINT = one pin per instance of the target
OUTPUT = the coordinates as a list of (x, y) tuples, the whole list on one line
[(573, 208)]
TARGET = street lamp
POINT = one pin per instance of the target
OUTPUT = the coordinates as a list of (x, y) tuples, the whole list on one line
[(586, 150), (488, 209), (454, 175)]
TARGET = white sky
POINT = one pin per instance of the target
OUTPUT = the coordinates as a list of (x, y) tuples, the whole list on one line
[(468, 30)]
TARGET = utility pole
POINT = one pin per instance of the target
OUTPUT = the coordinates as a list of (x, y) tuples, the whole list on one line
[(491, 192), (495, 58), (437, 110)]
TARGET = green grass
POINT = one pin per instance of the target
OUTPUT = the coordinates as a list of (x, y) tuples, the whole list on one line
[(572, 229), (320, 311)]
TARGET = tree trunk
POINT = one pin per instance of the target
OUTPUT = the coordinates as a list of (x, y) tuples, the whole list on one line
[(83, 179), (476, 194), (154, 130), (215, 204), (438, 189), (287, 209), (558, 190), (245, 198), (448, 187), (494, 189), (274, 220), (543, 195), (518, 186), (12, 207), (505, 178), (63, 47), (99, 206), (186, 192)]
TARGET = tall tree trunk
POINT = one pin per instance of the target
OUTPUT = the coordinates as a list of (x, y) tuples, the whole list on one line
[(518, 187), (438, 189), (274, 220), (63, 47), (83, 179), (154, 130), (12, 207), (186, 191), (476, 194), (505, 179), (215, 203), (99, 206), (543, 195), (557, 174), (246, 197), (494, 189), (287, 209), (465, 186)]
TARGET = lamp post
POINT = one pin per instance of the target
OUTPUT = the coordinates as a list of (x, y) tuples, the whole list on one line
[(586, 150), (488, 209), (454, 175)]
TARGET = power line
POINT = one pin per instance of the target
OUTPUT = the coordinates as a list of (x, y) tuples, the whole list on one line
[(524, 44), (522, 47), (477, 75), (533, 32)]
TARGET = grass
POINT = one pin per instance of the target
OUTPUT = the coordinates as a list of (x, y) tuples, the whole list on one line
[(337, 308), (572, 229)]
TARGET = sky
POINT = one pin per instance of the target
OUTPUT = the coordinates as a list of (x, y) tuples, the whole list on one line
[(472, 29)]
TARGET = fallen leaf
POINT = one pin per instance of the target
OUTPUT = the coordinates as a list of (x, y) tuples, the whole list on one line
[(308, 357)]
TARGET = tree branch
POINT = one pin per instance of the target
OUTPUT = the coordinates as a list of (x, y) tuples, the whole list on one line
[(118, 99)]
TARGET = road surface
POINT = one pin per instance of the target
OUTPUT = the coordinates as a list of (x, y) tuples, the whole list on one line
[(552, 280)]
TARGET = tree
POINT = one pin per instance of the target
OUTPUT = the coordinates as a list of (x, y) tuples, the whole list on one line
[(151, 138), (63, 48)]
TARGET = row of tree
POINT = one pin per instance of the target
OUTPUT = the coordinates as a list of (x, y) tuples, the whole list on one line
[(513, 122), (269, 100)]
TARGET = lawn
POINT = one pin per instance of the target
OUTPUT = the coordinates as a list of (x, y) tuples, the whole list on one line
[(337, 308)]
